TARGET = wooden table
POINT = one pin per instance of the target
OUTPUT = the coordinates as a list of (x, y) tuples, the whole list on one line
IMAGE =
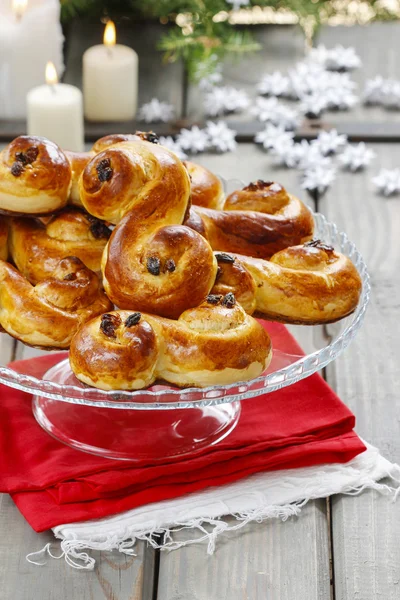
[(345, 548)]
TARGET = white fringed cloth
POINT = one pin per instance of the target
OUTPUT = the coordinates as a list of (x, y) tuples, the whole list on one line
[(271, 495)]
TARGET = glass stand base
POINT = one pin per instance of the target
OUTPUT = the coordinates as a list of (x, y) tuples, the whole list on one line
[(135, 435)]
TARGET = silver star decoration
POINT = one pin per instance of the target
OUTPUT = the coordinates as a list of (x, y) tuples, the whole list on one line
[(193, 140), (330, 142), (310, 156), (391, 94), (387, 181), (171, 144), (374, 90), (274, 84), (268, 136), (318, 179), (356, 157), (271, 111), (313, 105), (220, 137), (333, 90), (156, 111), (287, 153), (224, 100), (338, 58)]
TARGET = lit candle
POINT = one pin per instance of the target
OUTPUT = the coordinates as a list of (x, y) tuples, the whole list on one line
[(30, 35), (110, 80), (55, 111)]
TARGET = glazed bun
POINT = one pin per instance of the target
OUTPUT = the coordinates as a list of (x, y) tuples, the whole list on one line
[(49, 314), (258, 221), (216, 343), (206, 188), (151, 263), (307, 285), (35, 177), (36, 248)]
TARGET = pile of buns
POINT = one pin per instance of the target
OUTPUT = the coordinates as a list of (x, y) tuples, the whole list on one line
[(138, 263)]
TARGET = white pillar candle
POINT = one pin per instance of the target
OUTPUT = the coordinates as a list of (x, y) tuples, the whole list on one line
[(55, 111), (30, 35), (110, 80)]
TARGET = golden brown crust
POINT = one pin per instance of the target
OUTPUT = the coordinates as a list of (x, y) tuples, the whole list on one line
[(232, 276), (36, 249), (257, 221), (206, 187), (215, 343), (49, 314), (151, 263), (3, 238), (308, 285), (78, 162), (35, 177), (115, 138)]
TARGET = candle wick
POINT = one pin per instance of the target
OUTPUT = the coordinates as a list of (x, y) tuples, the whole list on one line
[(109, 51), (52, 87)]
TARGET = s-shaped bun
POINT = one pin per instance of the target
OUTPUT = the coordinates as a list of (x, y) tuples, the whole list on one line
[(47, 315), (35, 177), (258, 221), (36, 249), (216, 343)]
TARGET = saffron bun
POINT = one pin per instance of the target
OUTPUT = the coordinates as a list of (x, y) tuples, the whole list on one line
[(49, 314), (78, 161), (35, 177), (3, 238), (115, 138), (37, 248), (206, 188), (257, 221), (151, 263), (306, 285), (216, 343)]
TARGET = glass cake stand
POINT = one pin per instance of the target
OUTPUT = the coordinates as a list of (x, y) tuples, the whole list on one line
[(163, 422)]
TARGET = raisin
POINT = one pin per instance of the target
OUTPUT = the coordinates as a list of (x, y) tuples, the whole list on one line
[(214, 298), (229, 300), (225, 258), (169, 266), (319, 244), (109, 323), (153, 265), (257, 185), (28, 157), (99, 230), (17, 169), (133, 319), (104, 170), (70, 277), (148, 136)]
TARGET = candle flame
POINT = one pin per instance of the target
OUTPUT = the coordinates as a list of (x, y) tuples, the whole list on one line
[(110, 35), (51, 74), (19, 7)]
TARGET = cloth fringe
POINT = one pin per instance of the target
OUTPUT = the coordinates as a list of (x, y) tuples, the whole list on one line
[(73, 545)]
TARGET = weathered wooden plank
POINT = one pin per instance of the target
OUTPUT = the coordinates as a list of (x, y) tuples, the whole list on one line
[(366, 529), (115, 577), (275, 559)]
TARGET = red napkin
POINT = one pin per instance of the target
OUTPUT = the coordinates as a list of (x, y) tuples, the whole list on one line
[(301, 425)]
